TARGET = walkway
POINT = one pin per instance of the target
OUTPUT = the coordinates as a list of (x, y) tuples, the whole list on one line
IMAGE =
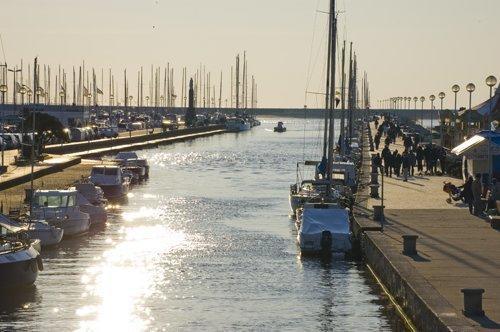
[(455, 250)]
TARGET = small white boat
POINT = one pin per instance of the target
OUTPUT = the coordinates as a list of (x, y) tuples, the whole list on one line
[(237, 125), (19, 263), (131, 161), (111, 179), (324, 228), (90, 199), (59, 208), (36, 229)]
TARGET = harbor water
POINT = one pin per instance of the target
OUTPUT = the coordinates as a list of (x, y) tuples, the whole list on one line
[(205, 244)]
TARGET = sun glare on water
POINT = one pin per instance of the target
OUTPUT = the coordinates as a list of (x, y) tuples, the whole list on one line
[(126, 276)]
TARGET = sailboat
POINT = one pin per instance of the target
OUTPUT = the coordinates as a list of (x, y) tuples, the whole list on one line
[(323, 222)]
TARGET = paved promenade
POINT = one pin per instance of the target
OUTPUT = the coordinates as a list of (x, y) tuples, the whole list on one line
[(455, 250)]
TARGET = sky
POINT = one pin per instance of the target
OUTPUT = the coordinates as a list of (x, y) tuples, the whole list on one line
[(407, 48)]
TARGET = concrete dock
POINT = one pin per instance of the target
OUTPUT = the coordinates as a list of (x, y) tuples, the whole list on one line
[(455, 250)]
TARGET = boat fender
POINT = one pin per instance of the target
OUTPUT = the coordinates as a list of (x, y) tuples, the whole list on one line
[(39, 263), (326, 242)]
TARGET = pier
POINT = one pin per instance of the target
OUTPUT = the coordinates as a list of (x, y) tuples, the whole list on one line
[(455, 251)]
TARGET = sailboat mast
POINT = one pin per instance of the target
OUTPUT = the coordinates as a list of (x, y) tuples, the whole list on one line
[(331, 132), (342, 96), (327, 90)]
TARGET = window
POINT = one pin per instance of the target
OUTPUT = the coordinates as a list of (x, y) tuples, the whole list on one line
[(111, 171), (97, 170)]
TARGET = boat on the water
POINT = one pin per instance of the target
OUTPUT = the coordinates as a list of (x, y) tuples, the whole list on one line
[(59, 208), (40, 230), (324, 228), (19, 263), (111, 179), (131, 161), (90, 199), (237, 125), (280, 128)]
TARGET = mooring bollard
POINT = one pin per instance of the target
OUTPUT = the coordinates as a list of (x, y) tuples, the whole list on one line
[(378, 213), (373, 178), (473, 301), (374, 190), (410, 244)]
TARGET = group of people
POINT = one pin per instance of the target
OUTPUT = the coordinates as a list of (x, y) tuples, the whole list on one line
[(414, 154), (479, 196)]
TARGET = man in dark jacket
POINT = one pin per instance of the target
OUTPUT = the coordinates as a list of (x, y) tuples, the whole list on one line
[(420, 158), (428, 158), (396, 162), (376, 140), (406, 165), (387, 156)]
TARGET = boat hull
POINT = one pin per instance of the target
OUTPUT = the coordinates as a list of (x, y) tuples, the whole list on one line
[(97, 214), (115, 191), (48, 236), (19, 269), (72, 227)]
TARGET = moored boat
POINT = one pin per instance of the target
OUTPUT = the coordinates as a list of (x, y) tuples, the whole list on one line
[(90, 199), (111, 179), (35, 230), (60, 209), (19, 263), (237, 125), (131, 161), (324, 228)]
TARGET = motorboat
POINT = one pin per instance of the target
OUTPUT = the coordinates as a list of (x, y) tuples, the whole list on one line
[(19, 263), (59, 208), (90, 199), (40, 230), (324, 228), (132, 162), (280, 128), (111, 179), (237, 125)]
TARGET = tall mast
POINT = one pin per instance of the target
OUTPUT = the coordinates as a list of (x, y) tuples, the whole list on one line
[(327, 90), (331, 143), (342, 98)]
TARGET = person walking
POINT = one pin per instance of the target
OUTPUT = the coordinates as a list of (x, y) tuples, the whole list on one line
[(396, 163), (477, 190), (413, 162), (376, 140), (406, 165), (387, 156), (420, 159), (467, 194), (428, 159)]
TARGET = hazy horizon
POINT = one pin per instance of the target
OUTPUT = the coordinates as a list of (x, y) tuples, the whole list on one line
[(407, 49)]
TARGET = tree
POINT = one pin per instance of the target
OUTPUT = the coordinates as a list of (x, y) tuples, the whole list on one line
[(44, 123)]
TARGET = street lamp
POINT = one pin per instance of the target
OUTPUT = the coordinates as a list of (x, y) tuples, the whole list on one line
[(161, 100), (30, 93), (3, 90), (38, 92), (147, 101), (61, 96), (455, 88), (470, 88), (491, 81), (22, 91), (441, 96), (422, 99), (432, 98)]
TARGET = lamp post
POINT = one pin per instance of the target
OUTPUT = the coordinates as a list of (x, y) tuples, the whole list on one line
[(22, 91), (470, 88), (38, 92), (432, 98), (422, 99), (14, 91), (61, 96), (3, 90), (455, 88), (441, 96), (491, 81), (147, 101), (29, 93)]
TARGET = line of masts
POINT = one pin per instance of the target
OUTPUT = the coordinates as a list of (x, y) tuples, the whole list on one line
[(83, 86), (348, 96)]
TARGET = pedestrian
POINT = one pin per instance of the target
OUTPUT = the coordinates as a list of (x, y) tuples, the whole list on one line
[(387, 156), (420, 159), (493, 195), (377, 140), (467, 194), (413, 162), (376, 123), (428, 159), (477, 190), (406, 165), (396, 163)]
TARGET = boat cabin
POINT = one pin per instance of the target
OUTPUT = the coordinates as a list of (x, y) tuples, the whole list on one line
[(54, 199)]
